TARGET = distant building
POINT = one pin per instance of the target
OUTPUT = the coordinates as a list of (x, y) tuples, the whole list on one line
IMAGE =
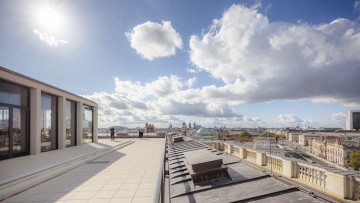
[(189, 125), (264, 142), (183, 129), (304, 138), (149, 128), (294, 137), (203, 132), (317, 146), (353, 120), (338, 151)]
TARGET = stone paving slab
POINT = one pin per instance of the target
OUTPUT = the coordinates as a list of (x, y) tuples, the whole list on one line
[(126, 175), (18, 167)]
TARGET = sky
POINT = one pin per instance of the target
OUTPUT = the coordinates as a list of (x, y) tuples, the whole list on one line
[(234, 63)]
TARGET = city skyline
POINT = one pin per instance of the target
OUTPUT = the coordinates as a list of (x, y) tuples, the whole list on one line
[(233, 63)]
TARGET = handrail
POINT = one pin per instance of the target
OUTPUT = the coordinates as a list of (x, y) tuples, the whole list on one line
[(159, 188)]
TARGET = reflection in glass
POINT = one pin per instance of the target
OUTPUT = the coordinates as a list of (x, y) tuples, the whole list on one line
[(87, 124), (4, 131), (19, 130), (70, 123), (12, 94), (48, 122), (356, 120)]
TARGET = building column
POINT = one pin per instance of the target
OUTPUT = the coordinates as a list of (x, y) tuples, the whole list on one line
[(61, 122), (79, 123), (35, 121), (95, 124)]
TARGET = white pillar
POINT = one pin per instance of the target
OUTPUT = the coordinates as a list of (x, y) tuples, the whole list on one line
[(79, 123), (35, 121), (61, 122)]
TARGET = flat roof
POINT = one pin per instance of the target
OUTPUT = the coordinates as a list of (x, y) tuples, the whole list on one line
[(245, 182)]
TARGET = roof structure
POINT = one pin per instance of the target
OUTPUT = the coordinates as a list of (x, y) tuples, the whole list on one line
[(242, 183), (203, 131)]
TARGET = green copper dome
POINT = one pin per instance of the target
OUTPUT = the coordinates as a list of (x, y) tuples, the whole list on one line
[(203, 131)]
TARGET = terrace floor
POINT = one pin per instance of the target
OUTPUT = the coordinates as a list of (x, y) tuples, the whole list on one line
[(128, 174)]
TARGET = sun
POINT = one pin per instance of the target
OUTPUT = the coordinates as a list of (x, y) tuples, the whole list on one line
[(49, 18)]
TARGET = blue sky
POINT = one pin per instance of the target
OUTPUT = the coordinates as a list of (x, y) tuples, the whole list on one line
[(236, 63)]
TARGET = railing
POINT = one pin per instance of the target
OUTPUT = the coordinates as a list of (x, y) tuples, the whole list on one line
[(251, 156), (274, 163), (160, 182), (334, 182), (313, 175)]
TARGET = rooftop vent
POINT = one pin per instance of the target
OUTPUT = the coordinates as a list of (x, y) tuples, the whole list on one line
[(204, 165), (177, 139)]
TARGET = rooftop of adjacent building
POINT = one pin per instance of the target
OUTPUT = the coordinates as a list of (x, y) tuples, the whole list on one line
[(244, 182)]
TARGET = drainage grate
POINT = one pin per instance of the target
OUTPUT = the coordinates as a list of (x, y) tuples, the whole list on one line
[(98, 162)]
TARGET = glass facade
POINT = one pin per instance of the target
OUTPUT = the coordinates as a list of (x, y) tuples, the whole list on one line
[(70, 123), (4, 131), (87, 124), (356, 120), (14, 138), (48, 122)]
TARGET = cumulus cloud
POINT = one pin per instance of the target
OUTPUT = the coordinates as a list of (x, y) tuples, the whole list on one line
[(152, 40), (263, 61), (338, 117), (130, 103), (357, 8), (49, 39), (289, 118)]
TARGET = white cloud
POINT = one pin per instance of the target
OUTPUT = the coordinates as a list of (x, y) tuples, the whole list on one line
[(357, 8), (152, 40), (49, 39), (263, 61), (192, 70), (289, 118), (258, 60), (339, 117)]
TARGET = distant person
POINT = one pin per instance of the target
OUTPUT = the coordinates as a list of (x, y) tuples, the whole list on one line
[(112, 133), (141, 132)]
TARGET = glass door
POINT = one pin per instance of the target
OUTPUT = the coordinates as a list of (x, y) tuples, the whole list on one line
[(4, 132), (13, 139), (18, 131)]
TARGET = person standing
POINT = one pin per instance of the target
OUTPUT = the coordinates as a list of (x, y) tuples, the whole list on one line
[(112, 133), (141, 132)]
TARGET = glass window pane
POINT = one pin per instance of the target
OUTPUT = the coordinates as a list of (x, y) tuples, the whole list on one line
[(19, 130), (70, 123), (10, 94), (4, 131), (48, 122), (87, 124)]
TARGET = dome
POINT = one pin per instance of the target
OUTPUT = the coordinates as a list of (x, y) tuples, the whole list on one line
[(203, 131)]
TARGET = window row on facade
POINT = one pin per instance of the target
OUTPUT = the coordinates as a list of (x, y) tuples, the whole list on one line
[(33, 121)]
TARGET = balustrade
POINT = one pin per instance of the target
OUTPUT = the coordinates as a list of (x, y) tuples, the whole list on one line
[(312, 175), (275, 163)]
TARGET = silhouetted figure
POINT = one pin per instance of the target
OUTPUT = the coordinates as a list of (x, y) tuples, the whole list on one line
[(112, 133), (141, 133)]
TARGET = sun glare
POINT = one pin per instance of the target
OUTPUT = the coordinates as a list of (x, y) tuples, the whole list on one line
[(50, 19)]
